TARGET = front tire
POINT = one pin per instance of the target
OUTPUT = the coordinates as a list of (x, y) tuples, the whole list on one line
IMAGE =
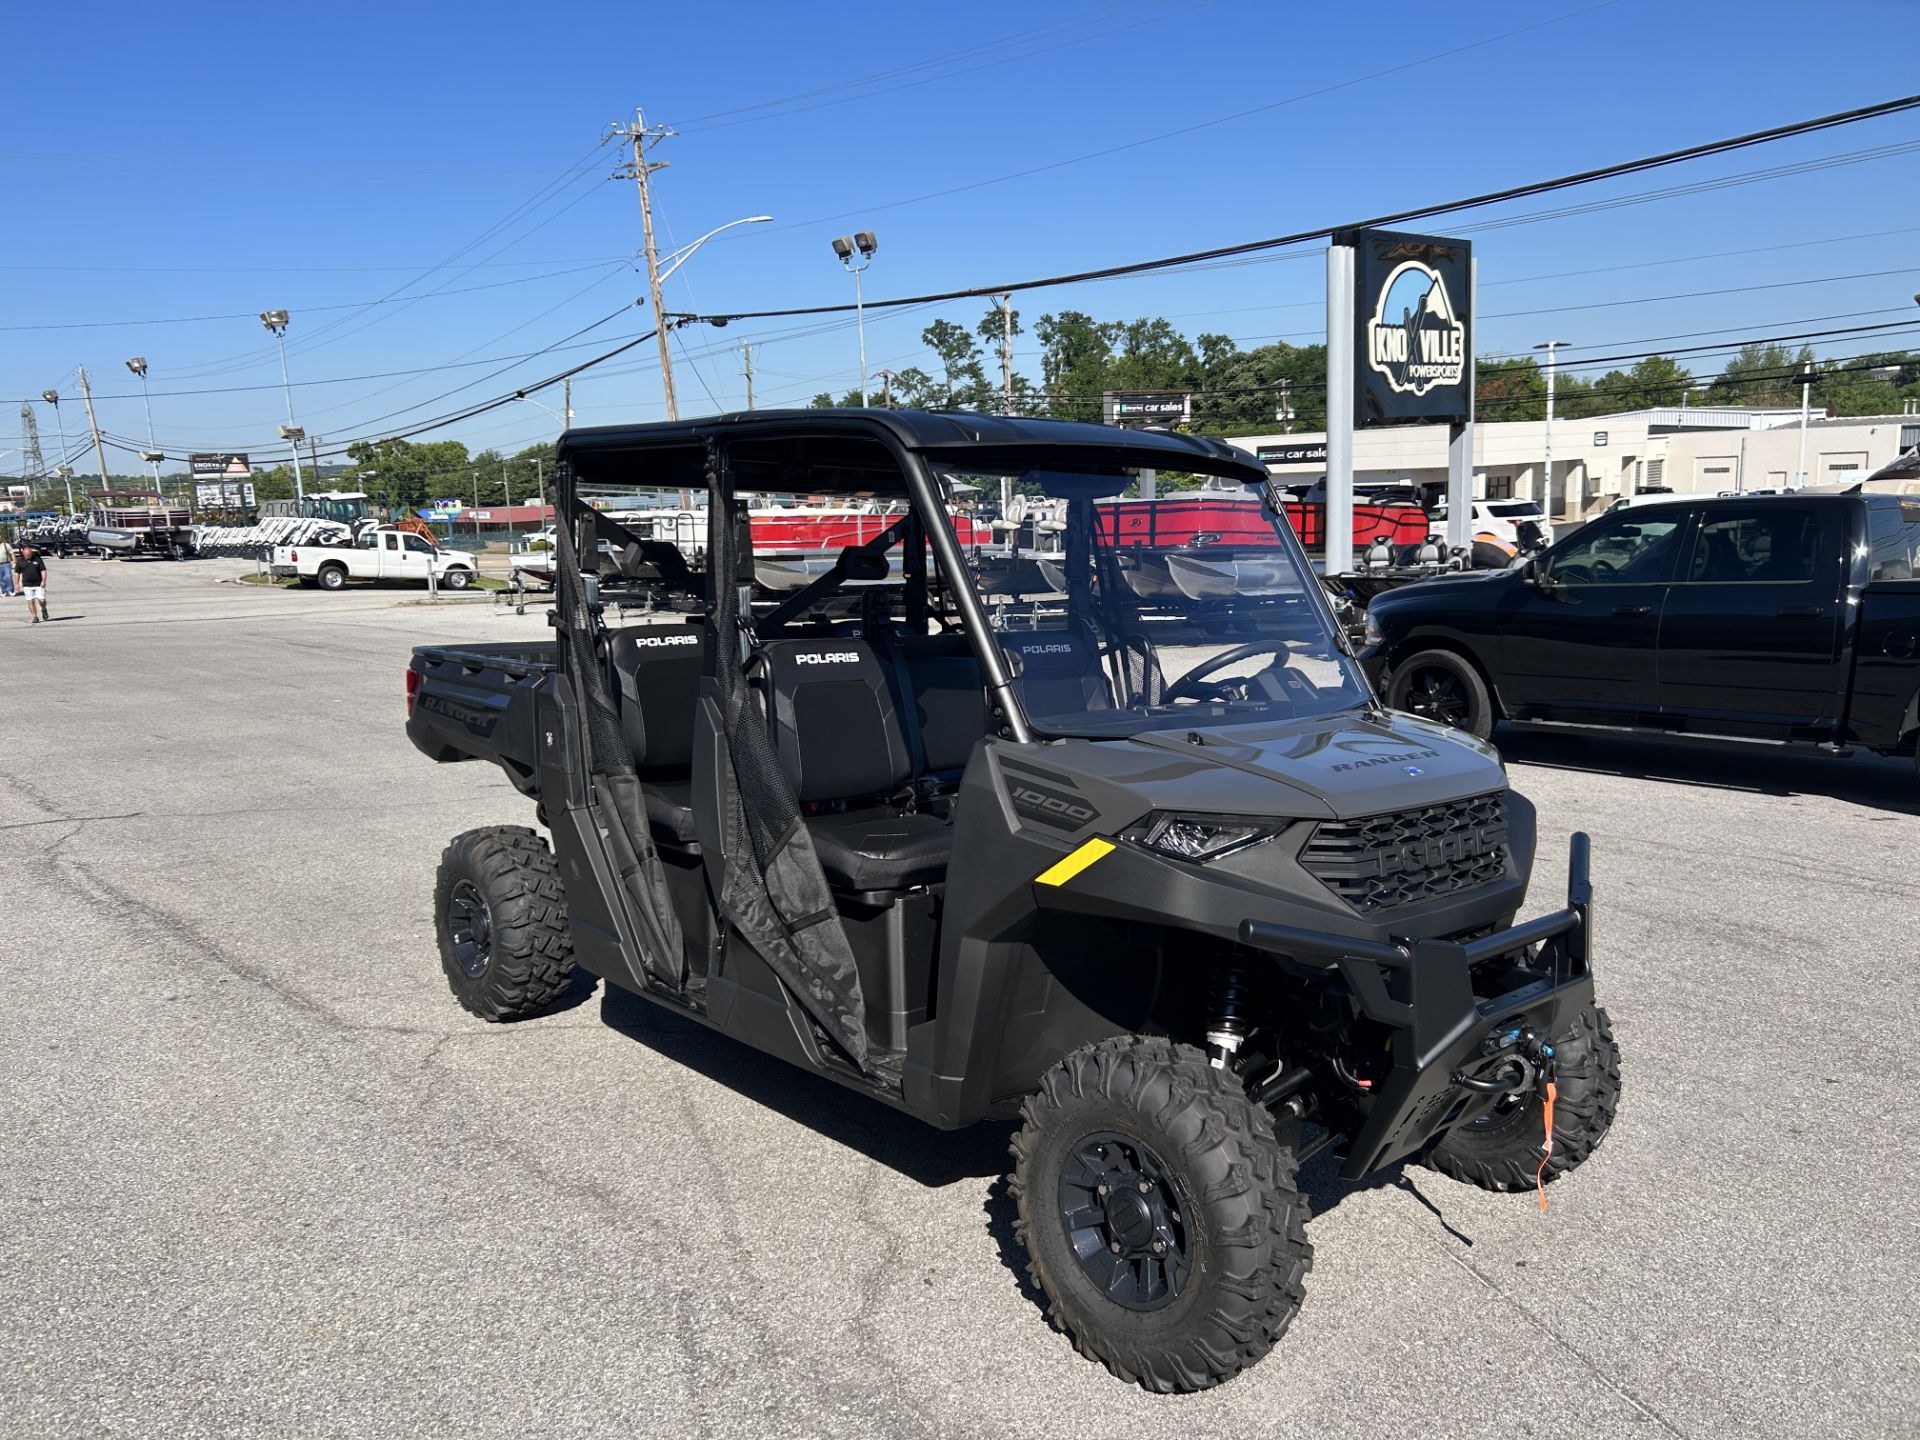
[(456, 580), (1444, 687), (1159, 1213), (1501, 1151), (501, 914)]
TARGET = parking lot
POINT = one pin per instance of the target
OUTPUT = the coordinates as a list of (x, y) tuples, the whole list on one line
[(265, 1178)]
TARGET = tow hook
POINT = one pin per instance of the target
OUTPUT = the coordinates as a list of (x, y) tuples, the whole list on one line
[(1524, 1064)]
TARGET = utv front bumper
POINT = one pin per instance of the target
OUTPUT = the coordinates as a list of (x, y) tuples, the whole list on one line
[(1423, 992)]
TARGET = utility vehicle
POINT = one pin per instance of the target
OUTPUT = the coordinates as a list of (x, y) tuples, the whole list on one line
[(1183, 898)]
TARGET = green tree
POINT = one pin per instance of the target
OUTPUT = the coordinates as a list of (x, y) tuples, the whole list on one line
[(962, 380), (405, 475), (1869, 385), (1240, 390), (1761, 375), (1509, 390)]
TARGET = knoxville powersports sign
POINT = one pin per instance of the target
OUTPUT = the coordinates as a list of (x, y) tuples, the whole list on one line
[(1413, 327)]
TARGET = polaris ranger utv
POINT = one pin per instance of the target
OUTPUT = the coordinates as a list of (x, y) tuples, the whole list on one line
[(1147, 865)]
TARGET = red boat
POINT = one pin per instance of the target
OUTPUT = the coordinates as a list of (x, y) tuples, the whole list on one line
[(1239, 521)]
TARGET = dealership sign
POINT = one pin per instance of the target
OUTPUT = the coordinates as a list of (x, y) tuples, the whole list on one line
[(1147, 407), (224, 495), (224, 466), (1413, 328), (1314, 454)]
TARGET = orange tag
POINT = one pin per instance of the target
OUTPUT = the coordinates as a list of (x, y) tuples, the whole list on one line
[(1546, 1150)]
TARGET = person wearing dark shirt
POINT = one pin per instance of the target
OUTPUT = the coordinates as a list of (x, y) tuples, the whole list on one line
[(32, 578)]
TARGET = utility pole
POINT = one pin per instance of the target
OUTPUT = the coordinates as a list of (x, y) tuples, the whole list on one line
[(99, 450), (32, 462), (1546, 492), (640, 170), (746, 359), (566, 404), (313, 454), (1006, 354), (886, 388), (1285, 417)]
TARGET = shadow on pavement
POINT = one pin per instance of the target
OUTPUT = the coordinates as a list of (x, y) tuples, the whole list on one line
[(901, 1143), (1874, 782)]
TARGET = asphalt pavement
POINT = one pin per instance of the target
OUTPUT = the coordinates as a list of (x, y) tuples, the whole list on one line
[(260, 1176)]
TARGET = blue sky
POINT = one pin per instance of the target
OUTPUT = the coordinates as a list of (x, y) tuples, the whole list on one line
[(160, 163)]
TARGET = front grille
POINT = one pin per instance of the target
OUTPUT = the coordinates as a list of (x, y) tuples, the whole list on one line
[(1383, 861)]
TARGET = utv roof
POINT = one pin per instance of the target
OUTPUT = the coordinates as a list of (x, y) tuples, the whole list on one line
[(854, 443)]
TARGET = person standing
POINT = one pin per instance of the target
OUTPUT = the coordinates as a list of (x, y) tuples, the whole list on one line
[(6, 567), (33, 583)]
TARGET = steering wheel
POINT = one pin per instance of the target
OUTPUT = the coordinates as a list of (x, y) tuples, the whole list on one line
[(1195, 685), (1605, 570)]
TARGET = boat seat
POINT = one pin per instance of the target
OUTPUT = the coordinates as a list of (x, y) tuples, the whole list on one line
[(837, 735)]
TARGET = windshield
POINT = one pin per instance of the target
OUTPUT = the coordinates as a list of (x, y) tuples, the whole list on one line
[(1120, 615)]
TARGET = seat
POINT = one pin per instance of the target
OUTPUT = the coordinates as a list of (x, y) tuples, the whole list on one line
[(869, 851), (657, 674), (940, 688), (837, 735), (1057, 672)]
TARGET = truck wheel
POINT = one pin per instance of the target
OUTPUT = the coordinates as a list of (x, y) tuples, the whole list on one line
[(456, 579), (1159, 1213), (1440, 685), (1501, 1151), (333, 577), (501, 914)]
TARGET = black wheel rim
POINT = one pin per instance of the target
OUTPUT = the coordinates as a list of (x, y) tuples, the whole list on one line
[(1125, 1221), (1435, 694), (470, 927)]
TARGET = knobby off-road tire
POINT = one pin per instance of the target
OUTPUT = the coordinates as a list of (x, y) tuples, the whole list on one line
[(501, 915), (1442, 686), (1215, 1186), (1502, 1152)]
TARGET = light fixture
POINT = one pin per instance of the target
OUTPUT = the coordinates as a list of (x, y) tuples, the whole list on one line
[(1201, 838), (52, 397), (275, 320), (843, 247), (138, 365), (152, 457), (865, 241), (292, 432)]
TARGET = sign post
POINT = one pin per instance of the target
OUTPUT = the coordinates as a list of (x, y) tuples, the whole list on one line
[(1340, 361), (1149, 409)]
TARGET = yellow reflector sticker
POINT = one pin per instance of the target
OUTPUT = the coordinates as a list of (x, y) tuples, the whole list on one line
[(1079, 860)]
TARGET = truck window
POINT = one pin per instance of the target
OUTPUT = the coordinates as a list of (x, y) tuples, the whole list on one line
[(415, 542), (1772, 545), (369, 541), (1632, 552), (1893, 541)]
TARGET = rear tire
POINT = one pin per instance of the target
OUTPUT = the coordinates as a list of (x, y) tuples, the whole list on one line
[(1502, 1151), (332, 577), (1190, 1165), (500, 911), (1444, 687)]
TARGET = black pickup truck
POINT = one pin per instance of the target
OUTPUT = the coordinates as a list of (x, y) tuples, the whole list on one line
[(1781, 619)]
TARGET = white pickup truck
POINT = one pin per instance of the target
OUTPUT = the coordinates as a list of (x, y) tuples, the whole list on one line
[(380, 554)]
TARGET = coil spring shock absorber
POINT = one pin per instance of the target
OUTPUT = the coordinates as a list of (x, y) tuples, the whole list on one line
[(1229, 1010)]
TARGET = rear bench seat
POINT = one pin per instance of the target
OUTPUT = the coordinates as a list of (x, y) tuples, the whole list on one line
[(657, 669), (837, 733)]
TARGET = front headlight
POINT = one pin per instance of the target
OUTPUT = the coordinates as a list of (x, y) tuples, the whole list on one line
[(1201, 838), (1374, 635)]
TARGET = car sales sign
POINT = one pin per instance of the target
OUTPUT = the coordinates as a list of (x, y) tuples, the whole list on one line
[(1413, 327)]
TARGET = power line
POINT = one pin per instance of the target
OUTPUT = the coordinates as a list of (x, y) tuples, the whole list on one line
[(1491, 197)]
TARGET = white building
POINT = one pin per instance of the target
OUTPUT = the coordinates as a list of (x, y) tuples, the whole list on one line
[(1599, 459)]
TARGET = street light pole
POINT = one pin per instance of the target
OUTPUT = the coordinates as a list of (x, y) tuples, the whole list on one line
[(845, 246), (276, 321), (1806, 395), (62, 469), (1547, 495)]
